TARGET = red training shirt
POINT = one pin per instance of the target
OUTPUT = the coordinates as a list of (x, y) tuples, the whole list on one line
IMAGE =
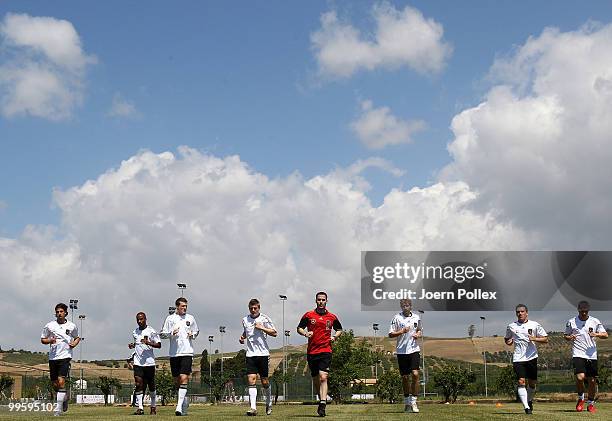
[(321, 325)]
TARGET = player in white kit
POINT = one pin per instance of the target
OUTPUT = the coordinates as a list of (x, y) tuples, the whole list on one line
[(524, 334), (256, 328), (62, 336), (143, 361), (181, 328), (406, 327), (582, 330)]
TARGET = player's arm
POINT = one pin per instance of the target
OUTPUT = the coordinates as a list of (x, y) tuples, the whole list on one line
[(46, 337), (337, 330), (76, 339), (600, 332), (568, 335), (419, 331), (395, 330), (267, 327), (301, 329), (540, 336), (194, 329), (508, 338), (153, 341), (165, 331)]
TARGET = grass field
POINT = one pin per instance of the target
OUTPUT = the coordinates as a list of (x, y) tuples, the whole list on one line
[(542, 411)]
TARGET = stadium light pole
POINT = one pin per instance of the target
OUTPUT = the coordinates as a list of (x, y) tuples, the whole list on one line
[(423, 352), (73, 306), (181, 288), (81, 318), (210, 341), (222, 331), (375, 329), (283, 298), (484, 356)]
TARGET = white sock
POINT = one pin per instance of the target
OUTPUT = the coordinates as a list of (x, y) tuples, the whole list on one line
[(153, 397), (61, 395), (522, 392), (581, 396), (182, 392), (530, 393), (268, 395), (413, 399), (590, 402), (253, 396), (139, 397)]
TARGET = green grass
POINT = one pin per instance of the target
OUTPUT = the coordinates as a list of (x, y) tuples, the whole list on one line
[(543, 411)]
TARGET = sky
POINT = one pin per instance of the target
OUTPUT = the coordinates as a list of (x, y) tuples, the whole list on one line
[(255, 149)]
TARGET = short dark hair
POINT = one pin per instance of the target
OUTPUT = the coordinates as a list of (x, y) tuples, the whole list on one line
[(180, 300), (521, 306), (141, 312), (321, 293), (584, 303), (62, 306), (253, 301)]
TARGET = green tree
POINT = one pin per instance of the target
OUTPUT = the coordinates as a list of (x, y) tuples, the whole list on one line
[(216, 382), (349, 360), (452, 380), (389, 386), (106, 385), (505, 383), (6, 382), (164, 383), (604, 378)]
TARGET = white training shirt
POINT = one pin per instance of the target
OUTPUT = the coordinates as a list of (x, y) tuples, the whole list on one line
[(143, 354), (406, 344), (64, 333), (584, 346), (180, 344), (524, 349), (256, 340)]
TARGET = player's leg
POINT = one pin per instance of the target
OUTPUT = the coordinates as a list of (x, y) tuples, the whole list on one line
[(579, 371), (591, 376), (265, 383), (322, 392), (138, 390), (61, 395), (532, 377), (521, 373), (149, 381), (182, 401), (252, 381), (414, 360), (406, 373)]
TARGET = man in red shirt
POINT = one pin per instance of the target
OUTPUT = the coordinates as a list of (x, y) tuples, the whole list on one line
[(317, 325)]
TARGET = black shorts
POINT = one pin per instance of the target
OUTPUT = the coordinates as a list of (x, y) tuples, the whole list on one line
[(526, 369), (258, 365), (319, 362), (59, 368), (147, 374), (583, 365), (181, 365), (408, 362)]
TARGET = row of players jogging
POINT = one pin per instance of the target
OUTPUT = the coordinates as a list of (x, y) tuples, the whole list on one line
[(322, 328)]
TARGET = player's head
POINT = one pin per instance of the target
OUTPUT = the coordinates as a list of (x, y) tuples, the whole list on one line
[(321, 299), (254, 307), (406, 305), (141, 319), (521, 312), (583, 309), (181, 306), (61, 311)]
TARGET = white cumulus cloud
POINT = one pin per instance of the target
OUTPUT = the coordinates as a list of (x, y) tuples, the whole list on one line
[(231, 234), (538, 148), (43, 67), (401, 38), (377, 128)]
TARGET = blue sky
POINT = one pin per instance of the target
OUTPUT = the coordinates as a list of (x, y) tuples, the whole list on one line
[(248, 79), (236, 78)]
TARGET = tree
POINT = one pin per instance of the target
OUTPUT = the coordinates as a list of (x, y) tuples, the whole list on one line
[(604, 377), (389, 386), (471, 331), (349, 360), (452, 380), (164, 385), (204, 364), (6, 382), (505, 384), (232, 368), (106, 384)]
